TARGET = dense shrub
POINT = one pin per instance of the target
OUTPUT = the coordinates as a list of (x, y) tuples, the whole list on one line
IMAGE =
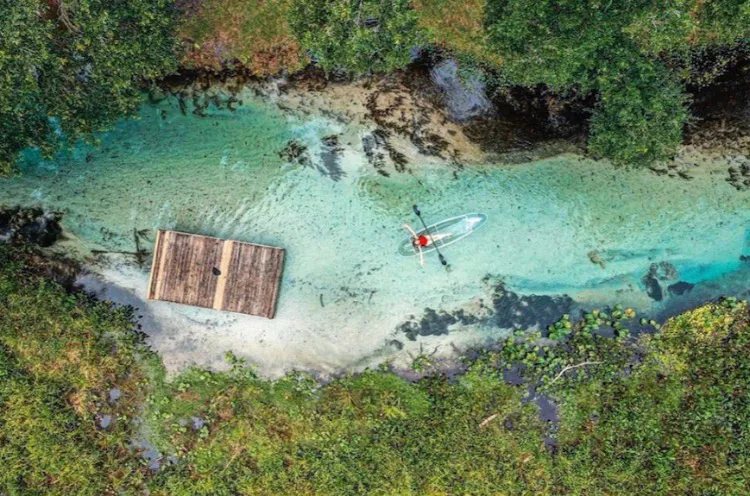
[(615, 49), (656, 414), (60, 356), (359, 36), (458, 27)]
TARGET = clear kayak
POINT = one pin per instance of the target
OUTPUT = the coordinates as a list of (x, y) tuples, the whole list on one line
[(444, 233)]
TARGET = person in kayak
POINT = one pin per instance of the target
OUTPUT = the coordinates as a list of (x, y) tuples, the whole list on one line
[(420, 241)]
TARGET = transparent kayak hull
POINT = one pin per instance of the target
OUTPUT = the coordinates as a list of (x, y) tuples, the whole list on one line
[(445, 233)]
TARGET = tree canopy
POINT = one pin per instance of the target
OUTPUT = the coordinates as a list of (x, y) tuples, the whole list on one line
[(620, 51), (360, 36), (70, 68)]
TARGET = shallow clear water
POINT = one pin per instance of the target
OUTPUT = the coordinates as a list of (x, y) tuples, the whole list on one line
[(222, 175)]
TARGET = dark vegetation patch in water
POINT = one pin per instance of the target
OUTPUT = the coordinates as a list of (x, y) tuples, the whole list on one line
[(331, 158), (30, 225), (516, 311), (296, 153), (662, 271), (433, 323), (739, 176), (508, 310), (380, 152)]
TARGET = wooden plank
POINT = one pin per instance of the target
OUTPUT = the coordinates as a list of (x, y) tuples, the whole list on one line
[(276, 282), (258, 293), (221, 283), (166, 239), (187, 270), (153, 275), (184, 270)]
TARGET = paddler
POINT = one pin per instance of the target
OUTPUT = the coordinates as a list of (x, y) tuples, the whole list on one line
[(418, 241)]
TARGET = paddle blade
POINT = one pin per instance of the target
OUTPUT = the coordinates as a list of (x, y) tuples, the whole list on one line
[(416, 210)]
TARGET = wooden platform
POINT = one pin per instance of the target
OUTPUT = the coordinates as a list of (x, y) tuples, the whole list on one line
[(215, 273)]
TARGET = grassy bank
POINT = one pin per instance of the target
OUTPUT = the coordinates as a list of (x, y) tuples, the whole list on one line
[(661, 413)]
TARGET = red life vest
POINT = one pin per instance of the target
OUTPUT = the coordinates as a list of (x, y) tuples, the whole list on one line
[(422, 240)]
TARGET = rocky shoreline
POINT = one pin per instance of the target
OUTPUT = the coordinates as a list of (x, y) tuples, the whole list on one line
[(427, 106), (32, 232), (433, 108)]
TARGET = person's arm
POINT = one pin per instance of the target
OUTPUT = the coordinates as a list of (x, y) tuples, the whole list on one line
[(413, 234), (419, 247)]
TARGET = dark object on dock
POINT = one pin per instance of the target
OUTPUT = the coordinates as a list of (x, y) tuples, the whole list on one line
[(215, 273)]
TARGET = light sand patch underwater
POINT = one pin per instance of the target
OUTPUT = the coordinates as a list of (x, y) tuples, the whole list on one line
[(561, 226)]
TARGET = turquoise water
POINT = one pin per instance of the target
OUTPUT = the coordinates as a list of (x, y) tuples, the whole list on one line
[(222, 175)]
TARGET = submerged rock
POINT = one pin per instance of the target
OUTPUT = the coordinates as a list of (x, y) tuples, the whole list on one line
[(512, 310), (680, 288), (464, 97), (653, 288), (662, 271)]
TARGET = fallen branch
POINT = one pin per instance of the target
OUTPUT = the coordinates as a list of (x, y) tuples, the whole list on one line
[(488, 420), (570, 367)]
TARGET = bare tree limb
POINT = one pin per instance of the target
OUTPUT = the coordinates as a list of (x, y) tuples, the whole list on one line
[(488, 420), (570, 367), (62, 15)]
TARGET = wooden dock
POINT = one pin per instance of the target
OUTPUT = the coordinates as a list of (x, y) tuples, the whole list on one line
[(215, 273)]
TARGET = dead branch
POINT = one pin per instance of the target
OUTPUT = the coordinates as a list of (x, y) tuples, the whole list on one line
[(570, 367), (488, 420)]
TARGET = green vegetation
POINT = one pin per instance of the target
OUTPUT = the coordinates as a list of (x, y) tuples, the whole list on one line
[(75, 67), (71, 68), (359, 36), (255, 34), (457, 26), (60, 355), (657, 414), (615, 49)]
